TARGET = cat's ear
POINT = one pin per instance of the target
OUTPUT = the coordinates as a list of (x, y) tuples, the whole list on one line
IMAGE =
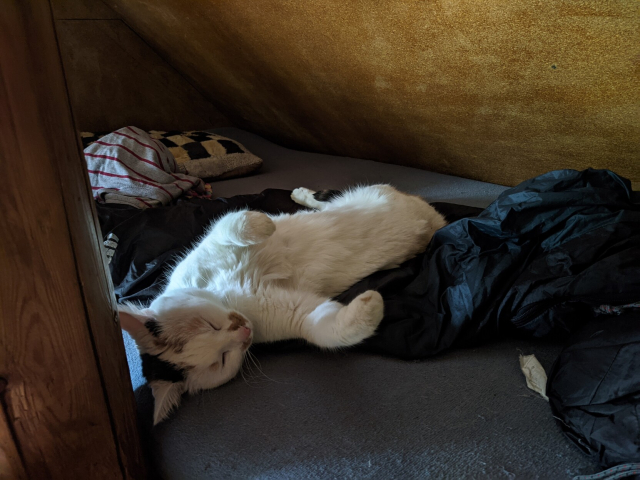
[(166, 397), (132, 320)]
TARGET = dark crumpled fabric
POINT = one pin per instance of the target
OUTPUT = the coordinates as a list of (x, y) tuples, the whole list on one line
[(533, 263), (594, 388)]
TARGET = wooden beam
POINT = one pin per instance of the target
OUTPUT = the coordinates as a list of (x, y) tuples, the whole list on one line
[(68, 401), (11, 466)]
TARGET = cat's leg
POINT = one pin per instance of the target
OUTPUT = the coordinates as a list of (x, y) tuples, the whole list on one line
[(365, 197), (282, 314), (333, 325), (241, 228), (372, 196), (306, 198)]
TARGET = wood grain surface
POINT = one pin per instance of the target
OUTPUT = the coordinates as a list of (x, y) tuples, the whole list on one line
[(68, 399), (11, 465)]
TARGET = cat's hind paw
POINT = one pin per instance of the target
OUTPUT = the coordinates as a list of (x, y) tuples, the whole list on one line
[(363, 315)]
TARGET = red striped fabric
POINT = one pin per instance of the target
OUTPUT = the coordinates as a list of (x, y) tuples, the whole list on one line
[(128, 166), (116, 159), (166, 153), (129, 177), (132, 170), (152, 163), (148, 205)]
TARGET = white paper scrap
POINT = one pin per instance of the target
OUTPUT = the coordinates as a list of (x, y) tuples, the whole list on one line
[(535, 374)]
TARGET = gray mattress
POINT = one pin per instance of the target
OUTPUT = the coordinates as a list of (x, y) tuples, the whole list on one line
[(315, 414)]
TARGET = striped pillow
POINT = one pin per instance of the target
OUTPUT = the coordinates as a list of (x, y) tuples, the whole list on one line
[(201, 154)]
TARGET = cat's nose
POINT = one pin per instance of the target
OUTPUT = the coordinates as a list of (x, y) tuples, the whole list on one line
[(245, 332)]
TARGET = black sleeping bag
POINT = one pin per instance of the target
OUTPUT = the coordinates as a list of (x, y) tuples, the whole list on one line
[(535, 263), (593, 388)]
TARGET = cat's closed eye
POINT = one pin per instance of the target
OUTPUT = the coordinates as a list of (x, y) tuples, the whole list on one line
[(214, 327), (224, 358)]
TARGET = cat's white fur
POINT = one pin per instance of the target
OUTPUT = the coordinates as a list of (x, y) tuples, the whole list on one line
[(263, 278)]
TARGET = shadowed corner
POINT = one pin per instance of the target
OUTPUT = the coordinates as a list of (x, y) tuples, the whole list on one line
[(144, 407)]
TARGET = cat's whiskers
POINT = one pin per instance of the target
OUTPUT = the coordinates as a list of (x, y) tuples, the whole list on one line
[(249, 377), (243, 376), (247, 367), (254, 360)]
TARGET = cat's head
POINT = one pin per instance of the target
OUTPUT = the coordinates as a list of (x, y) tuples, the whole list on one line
[(187, 342)]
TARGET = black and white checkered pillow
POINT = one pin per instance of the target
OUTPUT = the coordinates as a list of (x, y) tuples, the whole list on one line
[(207, 155), (196, 145)]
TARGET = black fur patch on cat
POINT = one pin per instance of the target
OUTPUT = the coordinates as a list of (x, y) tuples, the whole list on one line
[(326, 195), (153, 327), (154, 368)]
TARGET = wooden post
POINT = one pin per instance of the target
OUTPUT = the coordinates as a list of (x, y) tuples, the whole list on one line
[(65, 393)]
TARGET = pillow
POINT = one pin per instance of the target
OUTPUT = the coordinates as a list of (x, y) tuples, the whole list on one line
[(200, 154), (207, 155)]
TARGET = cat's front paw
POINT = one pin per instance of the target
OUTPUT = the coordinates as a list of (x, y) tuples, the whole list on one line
[(363, 316), (304, 196), (256, 228)]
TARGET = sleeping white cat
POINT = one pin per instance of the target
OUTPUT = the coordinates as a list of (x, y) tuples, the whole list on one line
[(260, 278)]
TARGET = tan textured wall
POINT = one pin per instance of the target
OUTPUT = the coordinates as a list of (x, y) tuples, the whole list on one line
[(498, 90)]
